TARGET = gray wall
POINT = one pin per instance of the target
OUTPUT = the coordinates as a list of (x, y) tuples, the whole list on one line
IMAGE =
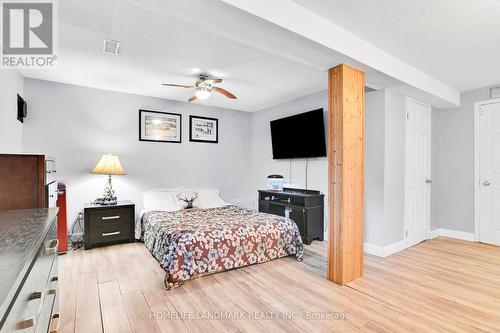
[(76, 125), (384, 167), (456, 163), (394, 170), (293, 170), (384, 155), (435, 169), (11, 130), (374, 167)]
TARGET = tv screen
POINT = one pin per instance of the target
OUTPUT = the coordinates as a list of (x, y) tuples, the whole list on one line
[(299, 136), (21, 108)]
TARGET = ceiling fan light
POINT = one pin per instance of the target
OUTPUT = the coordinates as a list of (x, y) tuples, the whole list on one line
[(203, 93)]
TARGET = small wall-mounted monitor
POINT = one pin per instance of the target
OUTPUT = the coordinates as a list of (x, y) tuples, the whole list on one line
[(22, 109)]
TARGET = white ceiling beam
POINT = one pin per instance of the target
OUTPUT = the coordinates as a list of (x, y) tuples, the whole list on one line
[(301, 21)]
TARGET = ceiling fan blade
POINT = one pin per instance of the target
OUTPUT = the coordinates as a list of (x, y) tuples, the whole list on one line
[(192, 99), (176, 85), (224, 92), (215, 80)]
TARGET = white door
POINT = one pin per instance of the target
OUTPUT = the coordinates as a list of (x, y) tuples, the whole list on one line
[(418, 172), (489, 173)]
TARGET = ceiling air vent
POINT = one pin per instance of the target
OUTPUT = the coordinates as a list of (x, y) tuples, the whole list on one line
[(495, 92), (111, 46)]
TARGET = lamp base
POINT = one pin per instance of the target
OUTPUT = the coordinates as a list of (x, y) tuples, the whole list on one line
[(106, 201), (109, 197)]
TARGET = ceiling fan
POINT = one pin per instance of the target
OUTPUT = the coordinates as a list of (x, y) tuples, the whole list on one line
[(204, 87)]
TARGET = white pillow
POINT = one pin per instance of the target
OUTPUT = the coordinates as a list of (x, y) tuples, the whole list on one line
[(209, 198), (160, 189), (161, 199)]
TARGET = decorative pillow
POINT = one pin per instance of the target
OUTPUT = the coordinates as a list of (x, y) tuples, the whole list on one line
[(161, 199), (186, 198), (209, 198)]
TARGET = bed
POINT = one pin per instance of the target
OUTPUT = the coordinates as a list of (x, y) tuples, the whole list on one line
[(189, 243)]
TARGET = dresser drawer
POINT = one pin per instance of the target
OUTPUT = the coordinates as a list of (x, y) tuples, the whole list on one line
[(110, 217), (35, 294), (107, 234), (47, 307)]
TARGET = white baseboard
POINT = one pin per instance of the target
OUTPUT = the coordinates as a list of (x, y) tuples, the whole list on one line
[(384, 251), (467, 236), (435, 233), (394, 248), (373, 249)]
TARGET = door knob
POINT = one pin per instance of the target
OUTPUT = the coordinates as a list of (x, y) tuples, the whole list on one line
[(486, 183), (428, 181)]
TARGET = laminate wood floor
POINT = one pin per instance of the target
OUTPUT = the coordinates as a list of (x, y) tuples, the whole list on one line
[(441, 285)]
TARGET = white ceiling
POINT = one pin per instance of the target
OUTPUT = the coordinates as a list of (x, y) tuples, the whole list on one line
[(263, 63), (456, 42), (166, 41)]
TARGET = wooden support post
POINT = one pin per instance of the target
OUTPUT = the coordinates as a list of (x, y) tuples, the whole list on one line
[(346, 108)]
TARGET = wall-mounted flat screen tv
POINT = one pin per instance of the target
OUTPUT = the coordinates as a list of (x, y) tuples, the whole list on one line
[(299, 136)]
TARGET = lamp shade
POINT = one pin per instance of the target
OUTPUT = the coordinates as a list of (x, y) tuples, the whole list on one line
[(109, 164)]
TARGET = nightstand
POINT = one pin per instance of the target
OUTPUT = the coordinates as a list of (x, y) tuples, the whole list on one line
[(105, 225)]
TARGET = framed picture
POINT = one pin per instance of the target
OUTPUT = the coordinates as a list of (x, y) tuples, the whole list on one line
[(160, 126), (202, 129)]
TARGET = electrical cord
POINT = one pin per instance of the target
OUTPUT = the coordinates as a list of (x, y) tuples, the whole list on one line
[(306, 172), (76, 243)]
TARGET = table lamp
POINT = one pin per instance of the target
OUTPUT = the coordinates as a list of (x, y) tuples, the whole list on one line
[(109, 164)]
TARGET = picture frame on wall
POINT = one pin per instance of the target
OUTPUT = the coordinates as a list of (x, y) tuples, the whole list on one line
[(156, 126), (203, 129)]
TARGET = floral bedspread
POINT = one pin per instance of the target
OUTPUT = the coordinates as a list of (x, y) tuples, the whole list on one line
[(197, 241)]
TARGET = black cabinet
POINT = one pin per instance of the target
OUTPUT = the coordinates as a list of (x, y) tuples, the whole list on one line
[(106, 225), (305, 207)]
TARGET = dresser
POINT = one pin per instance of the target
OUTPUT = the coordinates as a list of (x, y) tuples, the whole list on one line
[(29, 293), (304, 207), (105, 225), (27, 181)]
